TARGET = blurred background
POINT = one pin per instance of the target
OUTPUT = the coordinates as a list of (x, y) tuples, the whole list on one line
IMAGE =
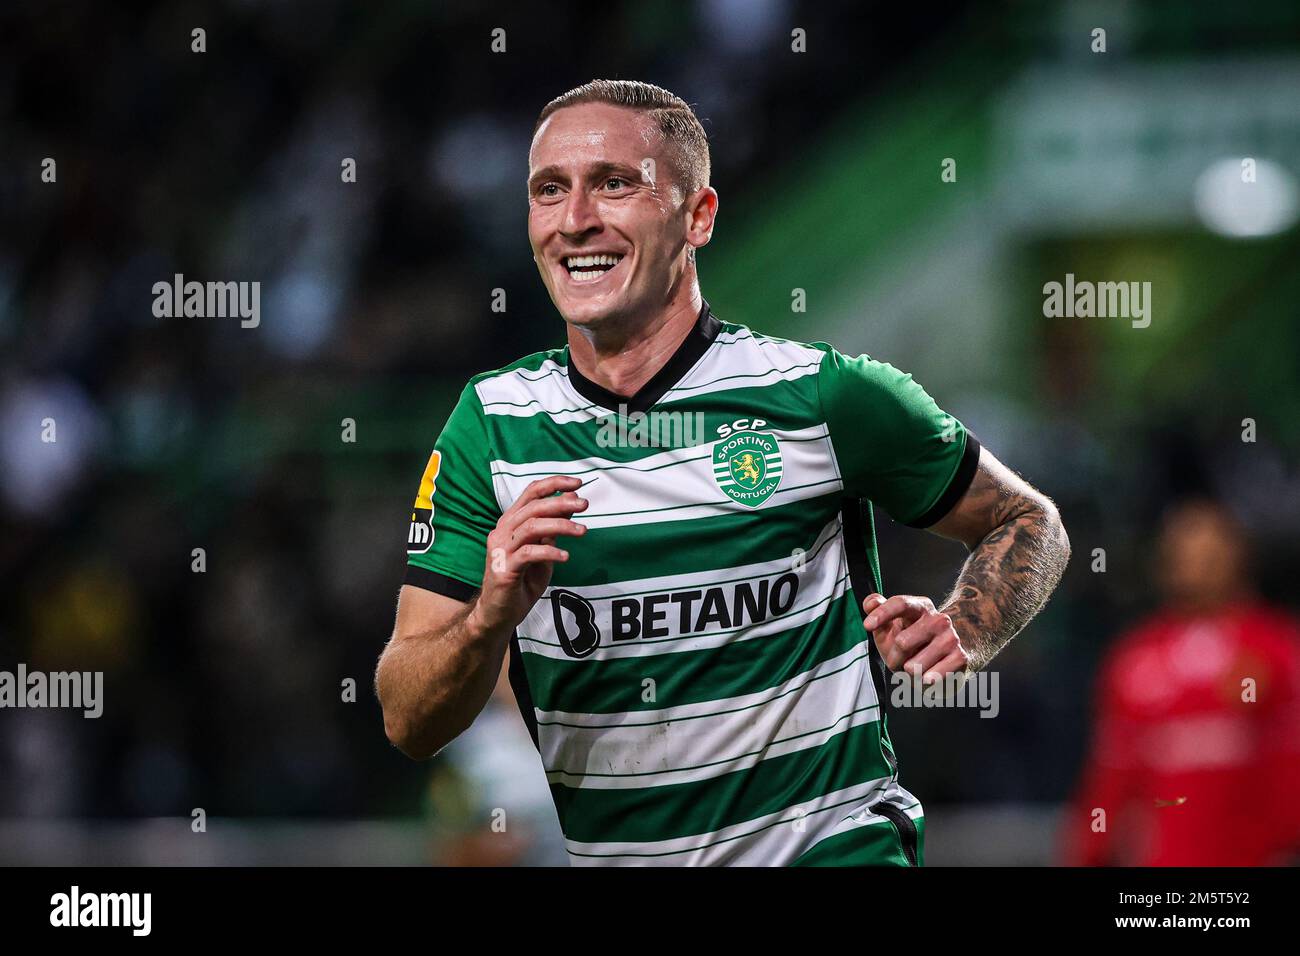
[(224, 690)]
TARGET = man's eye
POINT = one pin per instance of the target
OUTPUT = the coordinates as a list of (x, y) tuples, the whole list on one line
[(550, 189), (615, 182)]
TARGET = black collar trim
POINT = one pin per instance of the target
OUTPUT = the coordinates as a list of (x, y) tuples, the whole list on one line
[(695, 344)]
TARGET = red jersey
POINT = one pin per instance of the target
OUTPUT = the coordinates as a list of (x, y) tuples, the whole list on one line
[(1196, 751)]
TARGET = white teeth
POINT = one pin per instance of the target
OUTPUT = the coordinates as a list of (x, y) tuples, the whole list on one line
[(577, 262), (590, 276)]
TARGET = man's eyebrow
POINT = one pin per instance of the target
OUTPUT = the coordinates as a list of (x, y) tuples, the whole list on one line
[(600, 170), (545, 173), (595, 172)]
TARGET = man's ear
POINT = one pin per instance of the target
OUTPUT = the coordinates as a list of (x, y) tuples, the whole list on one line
[(702, 206)]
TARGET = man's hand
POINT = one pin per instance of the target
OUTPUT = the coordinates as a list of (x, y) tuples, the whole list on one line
[(521, 551), (445, 656), (913, 636)]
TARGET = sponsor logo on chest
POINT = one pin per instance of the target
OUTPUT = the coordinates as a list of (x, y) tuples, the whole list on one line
[(583, 624)]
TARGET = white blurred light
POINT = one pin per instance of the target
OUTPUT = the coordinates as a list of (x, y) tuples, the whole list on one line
[(744, 26), (305, 304), (1231, 207), (479, 155), (38, 477)]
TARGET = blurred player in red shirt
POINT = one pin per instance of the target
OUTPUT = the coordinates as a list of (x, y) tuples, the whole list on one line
[(1196, 750)]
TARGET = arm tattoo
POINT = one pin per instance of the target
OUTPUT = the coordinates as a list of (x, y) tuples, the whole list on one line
[(1012, 570)]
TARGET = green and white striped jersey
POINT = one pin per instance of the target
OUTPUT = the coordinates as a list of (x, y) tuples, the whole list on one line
[(697, 678)]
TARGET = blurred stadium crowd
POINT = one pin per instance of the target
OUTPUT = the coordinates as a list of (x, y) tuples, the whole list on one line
[(224, 688)]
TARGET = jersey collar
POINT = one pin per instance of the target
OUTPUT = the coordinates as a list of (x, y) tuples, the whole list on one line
[(695, 344)]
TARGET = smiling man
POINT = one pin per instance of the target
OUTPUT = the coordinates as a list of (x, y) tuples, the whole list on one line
[(699, 642)]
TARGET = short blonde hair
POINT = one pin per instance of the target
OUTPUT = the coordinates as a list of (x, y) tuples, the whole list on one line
[(682, 130)]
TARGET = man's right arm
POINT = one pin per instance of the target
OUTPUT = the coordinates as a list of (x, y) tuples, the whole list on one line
[(436, 673), (445, 656)]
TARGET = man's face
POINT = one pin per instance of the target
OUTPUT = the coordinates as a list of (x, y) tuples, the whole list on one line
[(600, 185), (1202, 557)]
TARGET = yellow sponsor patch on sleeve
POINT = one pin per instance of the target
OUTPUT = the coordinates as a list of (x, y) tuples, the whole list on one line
[(419, 539), (424, 499)]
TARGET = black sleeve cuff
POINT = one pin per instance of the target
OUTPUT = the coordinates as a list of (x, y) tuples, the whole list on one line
[(453, 588), (965, 474)]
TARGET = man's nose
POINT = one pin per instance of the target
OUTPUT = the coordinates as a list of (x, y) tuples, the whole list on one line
[(580, 215)]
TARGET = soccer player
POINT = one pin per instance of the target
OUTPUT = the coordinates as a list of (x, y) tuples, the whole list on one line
[(1195, 756), (691, 621)]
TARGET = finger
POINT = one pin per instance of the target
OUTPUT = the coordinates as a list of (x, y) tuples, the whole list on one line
[(954, 663), (534, 530), (885, 637), (900, 605), (543, 488), (891, 629), (561, 506), (890, 654), (925, 656), (531, 554), (871, 602), (920, 632)]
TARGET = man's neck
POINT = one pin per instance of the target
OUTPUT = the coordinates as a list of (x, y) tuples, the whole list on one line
[(623, 359)]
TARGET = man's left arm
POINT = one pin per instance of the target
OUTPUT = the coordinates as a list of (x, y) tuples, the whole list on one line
[(1018, 552)]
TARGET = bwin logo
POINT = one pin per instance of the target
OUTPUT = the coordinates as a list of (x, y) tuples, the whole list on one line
[(586, 636)]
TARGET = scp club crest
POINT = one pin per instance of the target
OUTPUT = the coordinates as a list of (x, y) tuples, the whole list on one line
[(747, 466)]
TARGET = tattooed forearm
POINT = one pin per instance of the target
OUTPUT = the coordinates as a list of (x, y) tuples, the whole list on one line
[(1006, 581), (1013, 567)]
